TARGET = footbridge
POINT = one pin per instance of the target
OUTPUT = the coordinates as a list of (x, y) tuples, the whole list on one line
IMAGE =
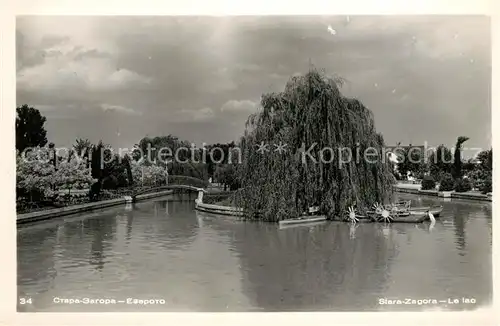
[(170, 183)]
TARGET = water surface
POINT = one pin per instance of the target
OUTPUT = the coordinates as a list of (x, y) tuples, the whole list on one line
[(164, 249)]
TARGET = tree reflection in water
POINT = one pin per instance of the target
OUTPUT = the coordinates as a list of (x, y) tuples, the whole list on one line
[(103, 231), (310, 268), (36, 245)]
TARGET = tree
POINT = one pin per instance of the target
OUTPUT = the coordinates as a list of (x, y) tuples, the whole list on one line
[(184, 157), (128, 169), (486, 159), (311, 110), (30, 131), (457, 163), (482, 174), (217, 154), (227, 175), (83, 149), (147, 174), (96, 171), (411, 160), (73, 175), (440, 162), (34, 173)]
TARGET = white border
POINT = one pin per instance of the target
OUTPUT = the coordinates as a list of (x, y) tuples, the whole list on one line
[(8, 316)]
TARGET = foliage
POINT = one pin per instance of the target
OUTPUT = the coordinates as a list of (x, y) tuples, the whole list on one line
[(217, 198), (486, 159), (311, 110), (457, 160), (30, 131), (227, 175), (73, 175), (34, 173), (428, 183), (147, 174), (95, 162), (128, 169), (175, 153), (217, 154), (411, 159), (482, 174), (446, 183), (462, 185), (440, 162), (486, 186), (468, 166), (83, 149), (110, 169)]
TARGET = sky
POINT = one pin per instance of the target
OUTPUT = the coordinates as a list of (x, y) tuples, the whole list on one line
[(121, 78)]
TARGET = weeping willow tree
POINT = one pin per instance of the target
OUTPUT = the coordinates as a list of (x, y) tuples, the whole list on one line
[(311, 111)]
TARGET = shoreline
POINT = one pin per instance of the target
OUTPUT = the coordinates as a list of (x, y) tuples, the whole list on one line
[(411, 189), (80, 208), (212, 208)]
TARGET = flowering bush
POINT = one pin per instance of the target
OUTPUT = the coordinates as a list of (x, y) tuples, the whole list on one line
[(34, 173), (73, 175), (37, 176), (147, 174)]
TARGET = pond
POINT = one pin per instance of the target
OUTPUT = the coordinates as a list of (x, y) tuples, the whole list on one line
[(164, 250)]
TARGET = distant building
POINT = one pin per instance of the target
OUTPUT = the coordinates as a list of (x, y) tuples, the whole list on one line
[(397, 149)]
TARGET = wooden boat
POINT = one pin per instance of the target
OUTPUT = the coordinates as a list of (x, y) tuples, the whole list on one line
[(419, 211), (401, 205), (364, 219), (415, 215), (302, 225), (409, 218), (404, 207), (303, 219)]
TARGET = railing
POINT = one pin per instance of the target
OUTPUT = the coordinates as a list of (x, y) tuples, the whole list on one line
[(172, 182)]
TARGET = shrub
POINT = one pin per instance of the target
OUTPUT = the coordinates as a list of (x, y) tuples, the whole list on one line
[(446, 183), (420, 175), (428, 183), (463, 185), (486, 186), (110, 182)]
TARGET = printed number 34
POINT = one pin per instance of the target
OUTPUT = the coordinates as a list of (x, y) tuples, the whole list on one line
[(25, 301)]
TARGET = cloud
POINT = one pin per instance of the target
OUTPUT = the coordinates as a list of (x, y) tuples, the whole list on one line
[(217, 69), (197, 115), (120, 109), (92, 71), (44, 107), (433, 36), (239, 106), (54, 54)]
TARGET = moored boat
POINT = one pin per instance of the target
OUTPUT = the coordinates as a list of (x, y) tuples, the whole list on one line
[(303, 219), (302, 225), (415, 215), (410, 218), (364, 219), (420, 211)]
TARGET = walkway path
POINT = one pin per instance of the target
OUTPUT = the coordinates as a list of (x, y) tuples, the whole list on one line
[(415, 189)]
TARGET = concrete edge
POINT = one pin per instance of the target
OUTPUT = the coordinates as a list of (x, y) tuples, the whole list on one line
[(218, 209), (68, 210), (445, 194), (75, 209)]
